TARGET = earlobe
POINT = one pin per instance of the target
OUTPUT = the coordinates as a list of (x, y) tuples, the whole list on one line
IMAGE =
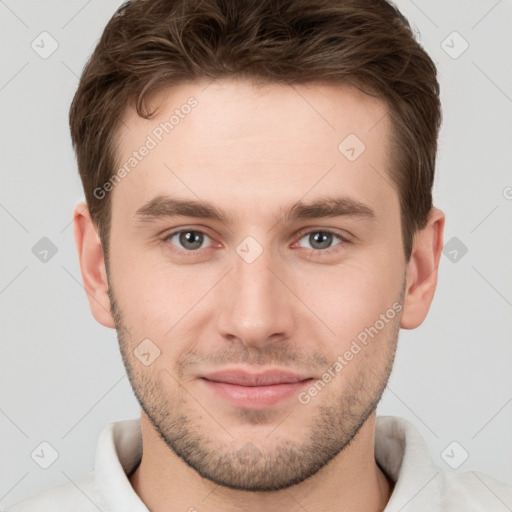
[(92, 265), (422, 271)]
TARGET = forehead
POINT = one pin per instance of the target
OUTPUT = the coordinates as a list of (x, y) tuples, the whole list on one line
[(255, 146)]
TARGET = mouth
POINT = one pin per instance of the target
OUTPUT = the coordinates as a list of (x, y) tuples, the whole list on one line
[(254, 390)]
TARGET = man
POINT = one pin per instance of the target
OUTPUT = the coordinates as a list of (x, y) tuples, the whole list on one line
[(258, 227)]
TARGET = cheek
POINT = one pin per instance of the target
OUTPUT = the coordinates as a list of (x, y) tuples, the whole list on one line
[(157, 299), (138, 288), (352, 296), (364, 314)]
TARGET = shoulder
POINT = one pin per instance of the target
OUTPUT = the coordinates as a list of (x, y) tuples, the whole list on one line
[(472, 491), (421, 485), (79, 495)]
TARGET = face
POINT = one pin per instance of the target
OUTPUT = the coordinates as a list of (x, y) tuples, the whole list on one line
[(257, 274)]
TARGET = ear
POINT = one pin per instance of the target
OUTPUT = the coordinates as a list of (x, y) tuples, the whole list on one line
[(422, 271), (92, 265)]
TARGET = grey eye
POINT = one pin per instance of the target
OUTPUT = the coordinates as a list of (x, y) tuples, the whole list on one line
[(189, 240), (320, 239)]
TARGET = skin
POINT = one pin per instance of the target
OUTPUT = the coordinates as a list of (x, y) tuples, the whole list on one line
[(253, 151)]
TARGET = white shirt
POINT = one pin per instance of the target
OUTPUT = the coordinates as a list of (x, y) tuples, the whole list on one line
[(420, 486)]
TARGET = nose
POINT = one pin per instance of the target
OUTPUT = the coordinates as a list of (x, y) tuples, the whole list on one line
[(258, 306)]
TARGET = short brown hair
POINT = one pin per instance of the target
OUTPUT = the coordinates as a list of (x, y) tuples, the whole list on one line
[(152, 44)]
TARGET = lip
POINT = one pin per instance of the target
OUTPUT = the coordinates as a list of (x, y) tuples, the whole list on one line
[(252, 390)]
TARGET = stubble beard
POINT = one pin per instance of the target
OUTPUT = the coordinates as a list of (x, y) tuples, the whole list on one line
[(242, 464)]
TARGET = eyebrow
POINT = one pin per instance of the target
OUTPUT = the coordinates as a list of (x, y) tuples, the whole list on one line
[(163, 206)]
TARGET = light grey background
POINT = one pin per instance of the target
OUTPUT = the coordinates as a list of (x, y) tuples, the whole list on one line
[(62, 379)]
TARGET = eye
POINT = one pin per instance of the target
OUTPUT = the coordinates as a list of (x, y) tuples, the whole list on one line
[(320, 240), (188, 239)]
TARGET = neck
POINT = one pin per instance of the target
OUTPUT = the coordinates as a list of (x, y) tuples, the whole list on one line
[(351, 482)]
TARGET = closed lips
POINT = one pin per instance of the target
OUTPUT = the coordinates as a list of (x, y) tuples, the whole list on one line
[(248, 379)]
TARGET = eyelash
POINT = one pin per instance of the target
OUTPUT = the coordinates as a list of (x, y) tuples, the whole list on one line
[(315, 252)]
